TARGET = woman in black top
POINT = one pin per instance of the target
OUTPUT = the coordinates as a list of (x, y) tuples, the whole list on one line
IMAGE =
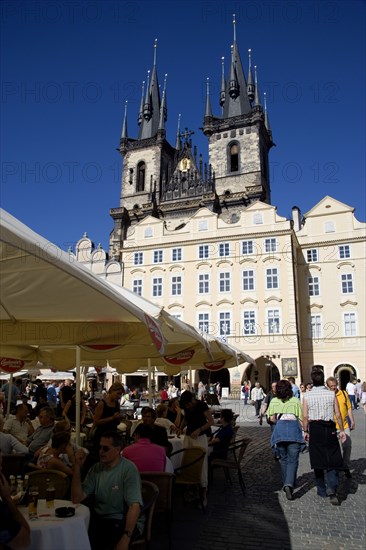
[(107, 415)]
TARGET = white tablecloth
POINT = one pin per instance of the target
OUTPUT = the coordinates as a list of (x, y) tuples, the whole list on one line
[(52, 533), (178, 444)]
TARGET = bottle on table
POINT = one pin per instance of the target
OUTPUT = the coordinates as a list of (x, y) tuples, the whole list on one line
[(50, 493)]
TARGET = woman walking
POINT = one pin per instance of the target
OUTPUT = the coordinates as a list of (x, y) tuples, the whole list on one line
[(285, 410)]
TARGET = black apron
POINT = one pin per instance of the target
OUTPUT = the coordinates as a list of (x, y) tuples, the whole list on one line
[(324, 449)]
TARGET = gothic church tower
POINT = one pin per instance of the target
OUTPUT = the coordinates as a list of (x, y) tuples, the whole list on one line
[(239, 139)]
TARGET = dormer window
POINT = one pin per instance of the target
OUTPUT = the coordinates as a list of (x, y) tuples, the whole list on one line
[(141, 172), (233, 157)]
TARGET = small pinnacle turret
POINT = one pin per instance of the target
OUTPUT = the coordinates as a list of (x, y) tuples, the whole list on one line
[(250, 86), (124, 127), (223, 83)]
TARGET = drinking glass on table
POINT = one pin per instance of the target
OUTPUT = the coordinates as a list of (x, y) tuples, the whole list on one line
[(33, 502), (50, 494)]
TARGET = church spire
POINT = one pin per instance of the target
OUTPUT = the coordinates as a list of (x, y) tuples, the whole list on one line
[(178, 143), (140, 116), (124, 127), (266, 118), (208, 112), (162, 109), (151, 110), (250, 86), (236, 98), (223, 82), (257, 101)]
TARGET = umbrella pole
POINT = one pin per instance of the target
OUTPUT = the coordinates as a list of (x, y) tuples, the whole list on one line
[(149, 380), (10, 387), (77, 400)]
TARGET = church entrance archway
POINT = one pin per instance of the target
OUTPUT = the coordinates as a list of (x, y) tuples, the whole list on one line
[(344, 373), (212, 377)]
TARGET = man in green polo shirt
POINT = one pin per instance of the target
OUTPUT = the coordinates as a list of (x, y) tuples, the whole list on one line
[(115, 484)]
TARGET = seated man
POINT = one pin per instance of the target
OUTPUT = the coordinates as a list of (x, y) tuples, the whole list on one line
[(147, 456), (115, 484), (42, 434), (14, 529), (20, 426), (9, 444), (221, 440), (162, 420)]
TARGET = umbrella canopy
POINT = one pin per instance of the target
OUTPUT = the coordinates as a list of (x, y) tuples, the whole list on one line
[(50, 305)]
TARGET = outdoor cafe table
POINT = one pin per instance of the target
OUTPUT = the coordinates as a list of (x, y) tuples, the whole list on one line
[(49, 532)]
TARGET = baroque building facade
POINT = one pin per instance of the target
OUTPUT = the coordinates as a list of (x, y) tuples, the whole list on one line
[(205, 242)]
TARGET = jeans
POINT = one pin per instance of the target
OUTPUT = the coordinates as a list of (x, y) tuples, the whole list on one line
[(352, 398), (289, 460), (326, 485), (257, 405)]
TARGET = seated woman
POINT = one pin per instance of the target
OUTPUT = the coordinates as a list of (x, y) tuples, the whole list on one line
[(175, 413), (69, 411), (221, 440), (49, 457), (162, 420)]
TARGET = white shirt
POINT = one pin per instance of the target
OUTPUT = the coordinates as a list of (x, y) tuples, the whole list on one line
[(350, 388)]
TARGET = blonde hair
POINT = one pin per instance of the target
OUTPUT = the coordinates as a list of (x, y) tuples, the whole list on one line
[(116, 386), (161, 409)]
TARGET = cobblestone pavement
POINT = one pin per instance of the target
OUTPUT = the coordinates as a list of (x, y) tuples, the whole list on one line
[(264, 518)]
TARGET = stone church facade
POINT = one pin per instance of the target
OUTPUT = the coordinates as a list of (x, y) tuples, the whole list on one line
[(205, 242)]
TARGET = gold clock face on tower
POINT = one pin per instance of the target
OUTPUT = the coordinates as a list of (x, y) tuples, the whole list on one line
[(184, 165)]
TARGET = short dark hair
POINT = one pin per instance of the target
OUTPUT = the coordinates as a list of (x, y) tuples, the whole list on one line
[(148, 410), (317, 376), (291, 379), (60, 438), (227, 415), (186, 398), (284, 390), (144, 431), (116, 438)]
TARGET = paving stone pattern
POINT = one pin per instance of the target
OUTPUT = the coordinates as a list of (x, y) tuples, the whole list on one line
[(264, 518)]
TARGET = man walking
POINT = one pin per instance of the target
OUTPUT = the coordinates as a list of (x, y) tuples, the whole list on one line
[(319, 408), (345, 409), (257, 396), (351, 390)]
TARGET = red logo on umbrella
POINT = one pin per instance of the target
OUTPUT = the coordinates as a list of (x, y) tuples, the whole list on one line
[(180, 358), (214, 365), (155, 333), (11, 365)]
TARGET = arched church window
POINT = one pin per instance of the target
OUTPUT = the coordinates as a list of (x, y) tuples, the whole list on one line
[(233, 157), (141, 174)]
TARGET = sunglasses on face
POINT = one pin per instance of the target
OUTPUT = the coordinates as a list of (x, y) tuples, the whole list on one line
[(105, 448)]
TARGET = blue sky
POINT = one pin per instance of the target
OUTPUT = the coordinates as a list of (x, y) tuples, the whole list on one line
[(68, 67)]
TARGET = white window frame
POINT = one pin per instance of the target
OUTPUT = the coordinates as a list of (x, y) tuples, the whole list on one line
[(177, 285), (270, 245), (224, 323), (249, 322), (203, 283), (272, 315), (272, 274), (347, 283), (224, 250), (203, 251), (316, 326), (224, 281), (158, 256), (350, 323), (137, 285), (203, 322), (157, 287), (344, 251), (247, 248), (138, 258), (313, 285), (178, 253), (249, 276), (312, 255)]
